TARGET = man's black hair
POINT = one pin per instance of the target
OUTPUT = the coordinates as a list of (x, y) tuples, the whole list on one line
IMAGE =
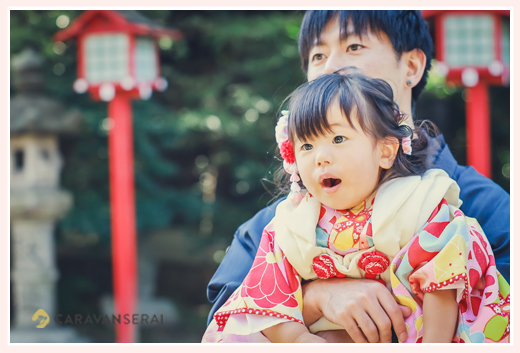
[(406, 30)]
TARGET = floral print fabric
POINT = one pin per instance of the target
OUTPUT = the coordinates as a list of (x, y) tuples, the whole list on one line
[(449, 252)]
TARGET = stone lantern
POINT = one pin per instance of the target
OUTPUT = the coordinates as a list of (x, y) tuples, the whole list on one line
[(37, 201)]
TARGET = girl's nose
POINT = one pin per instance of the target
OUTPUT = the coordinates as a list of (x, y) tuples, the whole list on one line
[(323, 158)]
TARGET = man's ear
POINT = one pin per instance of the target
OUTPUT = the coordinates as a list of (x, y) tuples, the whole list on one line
[(416, 64), (388, 150)]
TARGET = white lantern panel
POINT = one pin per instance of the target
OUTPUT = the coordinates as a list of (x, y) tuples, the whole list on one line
[(145, 60), (505, 41), (469, 40), (106, 57)]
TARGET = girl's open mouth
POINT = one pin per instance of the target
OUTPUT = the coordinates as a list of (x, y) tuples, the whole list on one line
[(331, 182), (330, 185)]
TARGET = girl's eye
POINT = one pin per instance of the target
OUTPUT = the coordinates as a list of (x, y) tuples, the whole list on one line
[(306, 147), (354, 47), (339, 139)]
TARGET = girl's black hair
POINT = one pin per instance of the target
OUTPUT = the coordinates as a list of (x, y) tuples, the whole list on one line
[(371, 101)]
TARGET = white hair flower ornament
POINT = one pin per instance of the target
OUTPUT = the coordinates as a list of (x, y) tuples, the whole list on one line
[(287, 153)]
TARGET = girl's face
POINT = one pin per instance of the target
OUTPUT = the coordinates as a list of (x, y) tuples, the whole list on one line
[(342, 167)]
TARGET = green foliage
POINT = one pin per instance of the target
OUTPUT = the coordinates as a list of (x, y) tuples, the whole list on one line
[(227, 78), (226, 86), (437, 85)]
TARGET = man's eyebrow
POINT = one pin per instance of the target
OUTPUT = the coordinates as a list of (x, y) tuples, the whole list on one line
[(343, 37)]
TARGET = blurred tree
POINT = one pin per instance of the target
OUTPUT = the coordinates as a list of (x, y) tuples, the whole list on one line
[(227, 80), (203, 146), (200, 146)]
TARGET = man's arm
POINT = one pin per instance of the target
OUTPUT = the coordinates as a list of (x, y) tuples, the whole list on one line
[(484, 200), (239, 258)]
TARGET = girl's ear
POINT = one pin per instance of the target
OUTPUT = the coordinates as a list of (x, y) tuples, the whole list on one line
[(388, 149)]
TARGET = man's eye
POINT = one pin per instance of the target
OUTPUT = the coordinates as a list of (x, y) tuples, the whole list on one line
[(339, 139), (306, 147), (317, 57), (354, 47)]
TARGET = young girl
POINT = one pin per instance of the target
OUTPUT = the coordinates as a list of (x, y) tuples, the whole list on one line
[(363, 204)]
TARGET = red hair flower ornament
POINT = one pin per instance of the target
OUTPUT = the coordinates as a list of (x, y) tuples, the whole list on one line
[(287, 153)]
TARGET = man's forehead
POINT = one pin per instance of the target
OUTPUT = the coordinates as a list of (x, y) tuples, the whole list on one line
[(344, 32)]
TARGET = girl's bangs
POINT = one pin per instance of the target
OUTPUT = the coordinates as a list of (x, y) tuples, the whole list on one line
[(308, 110), (310, 103)]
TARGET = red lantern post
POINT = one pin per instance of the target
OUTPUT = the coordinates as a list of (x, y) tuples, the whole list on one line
[(478, 128), (122, 200), (472, 49), (117, 62)]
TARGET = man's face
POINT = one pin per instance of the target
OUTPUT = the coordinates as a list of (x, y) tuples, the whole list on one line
[(371, 53)]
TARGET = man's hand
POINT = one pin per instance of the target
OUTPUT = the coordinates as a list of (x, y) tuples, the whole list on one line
[(365, 308)]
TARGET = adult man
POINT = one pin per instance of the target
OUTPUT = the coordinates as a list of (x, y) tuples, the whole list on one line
[(395, 46)]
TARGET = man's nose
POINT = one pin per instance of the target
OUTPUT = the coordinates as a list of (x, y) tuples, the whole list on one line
[(335, 62)]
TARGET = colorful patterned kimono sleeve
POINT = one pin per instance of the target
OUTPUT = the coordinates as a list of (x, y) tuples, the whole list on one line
[(452, 252), (270, 294)]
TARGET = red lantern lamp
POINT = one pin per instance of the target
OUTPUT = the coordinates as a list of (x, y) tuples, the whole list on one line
[(118, 60), (472, 50), (117, 52)]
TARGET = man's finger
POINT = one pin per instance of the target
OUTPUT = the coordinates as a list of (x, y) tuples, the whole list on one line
[(405, 310), (354, 331), (395, 314), (368, 328), (360, 325), (356, 334), (382, 322)]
